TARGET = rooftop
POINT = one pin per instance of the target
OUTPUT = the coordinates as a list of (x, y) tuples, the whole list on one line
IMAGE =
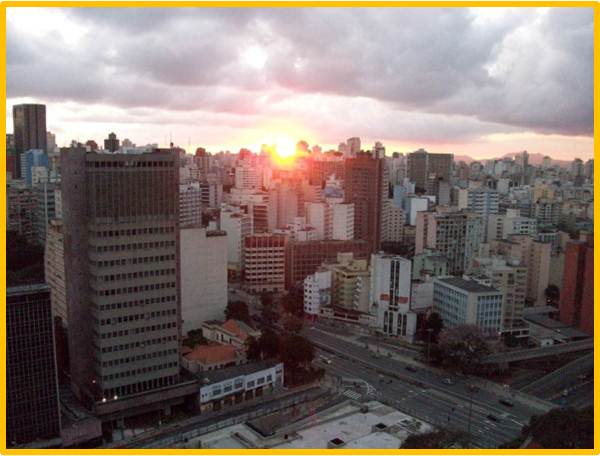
[(467, 285), (212, 353), (216, 376)]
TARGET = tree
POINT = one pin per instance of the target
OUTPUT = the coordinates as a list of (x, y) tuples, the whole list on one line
[(194, 337), (293, 302), (266, 299), (270, 344), (292, 324), (562, 428), (297, 352), (434, 323), (552, 293), (436, 439), (461, 348), (237, 310), (268, 316), (253, 349)]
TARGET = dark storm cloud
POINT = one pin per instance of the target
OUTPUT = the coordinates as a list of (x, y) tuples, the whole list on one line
[(526, 69)]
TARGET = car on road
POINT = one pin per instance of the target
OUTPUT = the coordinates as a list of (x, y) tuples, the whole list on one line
[(411, 368), (565, 392), (473, 388), (506, 402), (492, 417), (448, 381), (582, 377)]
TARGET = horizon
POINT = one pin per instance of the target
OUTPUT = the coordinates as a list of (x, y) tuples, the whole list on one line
[(488, 81)]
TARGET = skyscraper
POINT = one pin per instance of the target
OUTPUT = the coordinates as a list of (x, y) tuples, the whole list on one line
[(367, 187), (111, 143), (426, 169), (32, 392), (29, 130), (121, 247)]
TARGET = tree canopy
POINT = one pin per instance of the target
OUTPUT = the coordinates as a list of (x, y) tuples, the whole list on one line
[(563, 428), (436, 439), (462, 348), (237, 310)]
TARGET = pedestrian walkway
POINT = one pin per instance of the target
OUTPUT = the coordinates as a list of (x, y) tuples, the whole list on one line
[(352, 394)]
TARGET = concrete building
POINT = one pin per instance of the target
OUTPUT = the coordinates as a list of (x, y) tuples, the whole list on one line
[(366, 185), (237, 225), (54, 269), (394, 225), (29, 130), (510, 277), (190, 204), (460, 301), (390, 295), (249, 176), (111, 143), (203, 256), (547, 212), (500, 226), (20, 210), (483, 201), (577, 291), (429, 263), (426, 169), (317, 292), (304, 258), (225, 387), (264, 263), (213, 356), (349, 282), (45, 208), (32, 407), (331, 220), (535, 256), (122, 264), (455, 234), (231, 332), (30, 160)]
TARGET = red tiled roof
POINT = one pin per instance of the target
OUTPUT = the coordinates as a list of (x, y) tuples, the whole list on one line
[(209, 354)]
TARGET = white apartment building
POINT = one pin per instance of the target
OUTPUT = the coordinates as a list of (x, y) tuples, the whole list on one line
[(460, 301), (331, 220), (500, 226), (483, 201), (317, 291), (390, 295), (54, 269), (203, 276), (237, 225), (190, 205), (394, 229)]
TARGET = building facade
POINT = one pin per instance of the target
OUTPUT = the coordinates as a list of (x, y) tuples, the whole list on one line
[(264, 263)]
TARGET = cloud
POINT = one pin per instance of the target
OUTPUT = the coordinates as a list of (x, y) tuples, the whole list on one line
[(439, 74)]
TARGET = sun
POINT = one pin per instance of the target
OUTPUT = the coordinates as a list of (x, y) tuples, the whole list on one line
[(282, 148)]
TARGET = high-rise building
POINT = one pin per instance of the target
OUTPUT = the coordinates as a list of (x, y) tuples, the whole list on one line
[(190, 207), (317, 292), (203, 276), (349, 282), (390, 295), (352, 147), (29, 130), (264, 263), (237, 225), (305, 257), (535, 256), (54, 269), (331, 220), (366, 186), (122, 265), (426, 169), (45, 208), (467, 302), (500, 226), (32, 407), (483, 201), (577, 292), (455, 234), (111, 143), (30, 160), (20, 203)]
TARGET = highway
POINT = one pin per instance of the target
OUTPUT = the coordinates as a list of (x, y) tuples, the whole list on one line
[(425, 393), (531, 353)]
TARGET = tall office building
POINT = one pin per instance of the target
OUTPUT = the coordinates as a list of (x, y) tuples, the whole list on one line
[(483, 201), (264, 262), (121, 246), (366, 186), (29, 130), (426, 169), (111, 143), (455, 234), (32, 410), (577, 292)]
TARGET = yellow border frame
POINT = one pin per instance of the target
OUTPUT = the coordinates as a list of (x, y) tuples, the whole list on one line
[(285, 4)]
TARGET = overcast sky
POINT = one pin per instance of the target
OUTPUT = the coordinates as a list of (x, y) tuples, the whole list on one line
[(478, 82)]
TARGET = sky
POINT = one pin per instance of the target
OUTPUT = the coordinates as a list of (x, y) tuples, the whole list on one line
[(481, 82)]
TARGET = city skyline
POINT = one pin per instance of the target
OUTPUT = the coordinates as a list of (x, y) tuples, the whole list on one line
[(268, 80)]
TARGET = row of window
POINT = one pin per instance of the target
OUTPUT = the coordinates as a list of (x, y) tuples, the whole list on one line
[(121, 347), (135, 246), (136, 303), (137, 275), (127, 261), (130, 164), (142, 370), (139, 289), (131, 359), (143, 329), (136, 317), (134, 232)]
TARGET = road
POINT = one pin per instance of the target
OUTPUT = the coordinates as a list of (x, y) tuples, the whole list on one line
[(425, 393), (540, 352)]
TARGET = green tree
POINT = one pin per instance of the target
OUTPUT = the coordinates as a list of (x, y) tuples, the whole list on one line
[(563, 428), (253, 349), (297, 352), (292, 324), (270, 344), (293, 302), (237, 310), (268, 316), (266, 299), (194, 338), (434, 324), (461, 348)]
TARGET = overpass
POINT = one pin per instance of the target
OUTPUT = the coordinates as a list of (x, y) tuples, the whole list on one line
[(540, 352)]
